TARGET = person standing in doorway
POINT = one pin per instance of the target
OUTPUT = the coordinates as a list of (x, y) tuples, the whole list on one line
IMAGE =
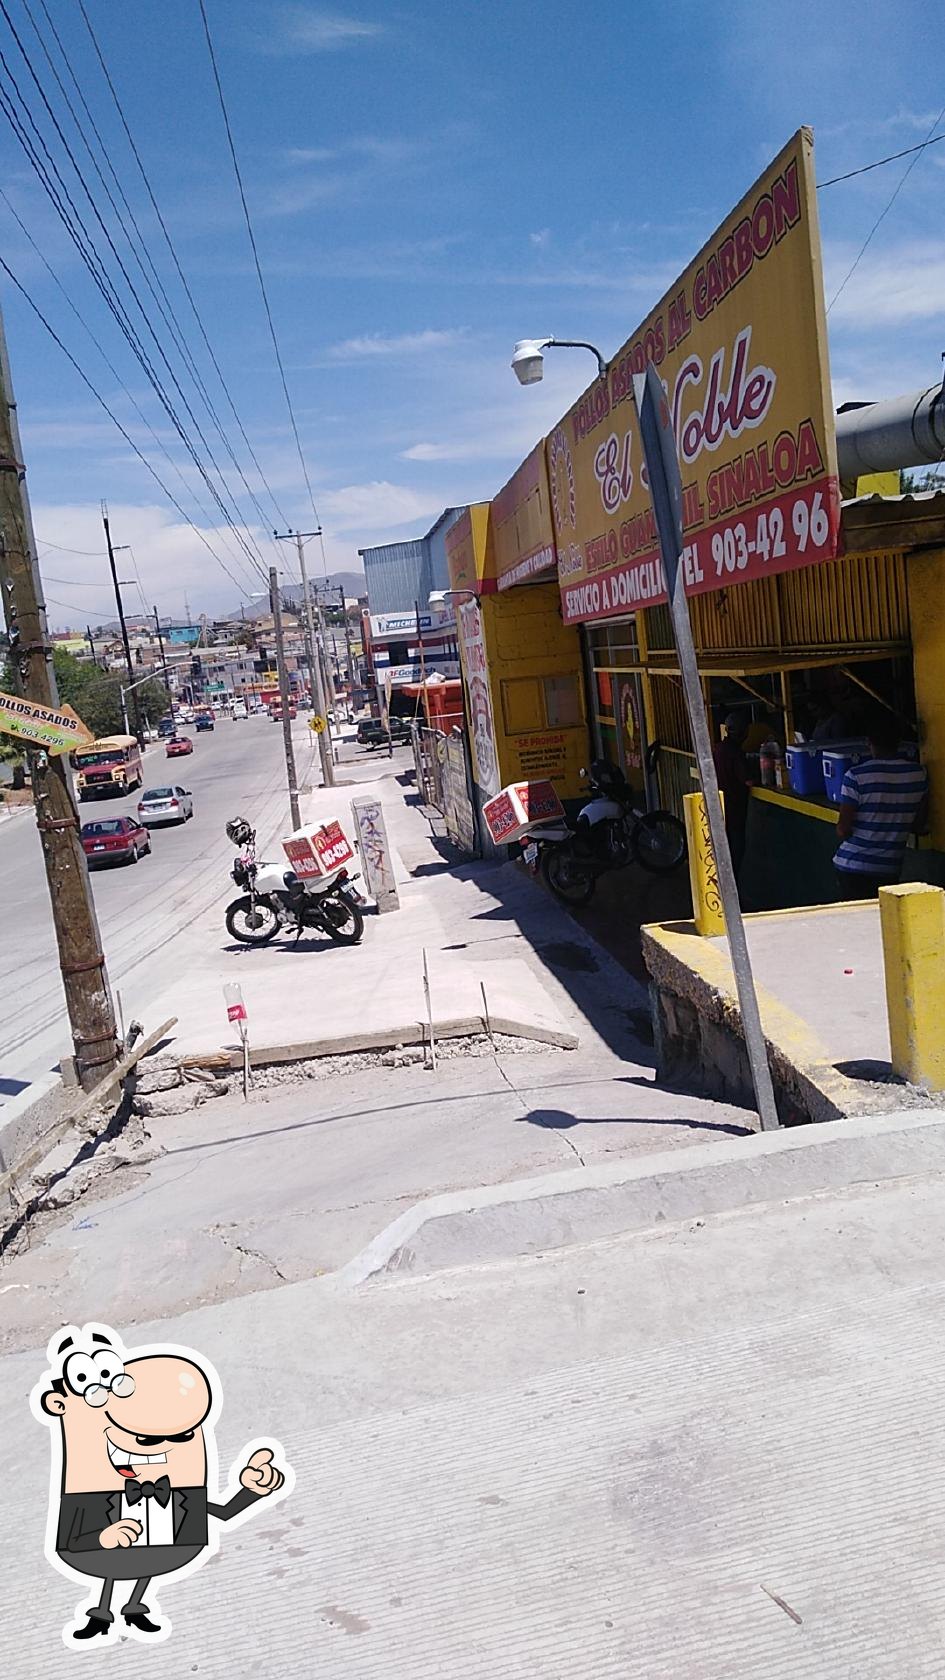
[(731, 767), (882, 802)]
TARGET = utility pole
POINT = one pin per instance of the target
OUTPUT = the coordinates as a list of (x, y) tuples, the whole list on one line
[(312, 654), (88, 637), (81, 962), (276, 606), (344, 620), (121, 620), (167, 680)]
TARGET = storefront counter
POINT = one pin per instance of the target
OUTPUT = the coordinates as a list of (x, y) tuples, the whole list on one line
[(790, 843)]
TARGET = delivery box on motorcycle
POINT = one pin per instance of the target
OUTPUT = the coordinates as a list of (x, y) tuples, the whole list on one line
[(316, 853), (518, 808)]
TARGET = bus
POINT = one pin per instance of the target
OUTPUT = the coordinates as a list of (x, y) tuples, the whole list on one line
[(109, 766)]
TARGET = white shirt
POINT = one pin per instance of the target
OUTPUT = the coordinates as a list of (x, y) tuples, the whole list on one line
[(157, 1521)]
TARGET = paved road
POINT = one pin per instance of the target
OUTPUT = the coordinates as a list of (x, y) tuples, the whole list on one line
[(145, 908)]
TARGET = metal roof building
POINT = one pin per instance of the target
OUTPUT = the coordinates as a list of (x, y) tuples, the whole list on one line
[(399, 574)]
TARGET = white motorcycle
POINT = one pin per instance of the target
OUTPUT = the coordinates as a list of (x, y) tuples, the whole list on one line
[(276, 900)]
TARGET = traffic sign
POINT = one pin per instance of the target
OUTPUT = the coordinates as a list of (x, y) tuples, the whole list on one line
[(316, 725), (58, 731)]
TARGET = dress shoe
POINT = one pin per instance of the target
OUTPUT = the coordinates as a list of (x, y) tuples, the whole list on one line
[(140, 1620), (94, 1625)]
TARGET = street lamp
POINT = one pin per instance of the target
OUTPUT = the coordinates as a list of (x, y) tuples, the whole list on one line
[(528, 360)]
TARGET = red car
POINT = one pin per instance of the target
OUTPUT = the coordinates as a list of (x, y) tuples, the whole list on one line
[(178, 746), (115, 840)]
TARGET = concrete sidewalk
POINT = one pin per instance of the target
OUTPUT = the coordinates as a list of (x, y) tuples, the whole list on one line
[(703, 1452), (481, 923)]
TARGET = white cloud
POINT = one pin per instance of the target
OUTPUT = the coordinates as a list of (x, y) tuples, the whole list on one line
[(400, 344), (299, 29), (541, 238), (378, 506), (901, 283)]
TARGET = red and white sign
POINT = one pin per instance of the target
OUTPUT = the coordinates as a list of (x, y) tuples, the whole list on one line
[(315, 853), (518, 808), (235, 1007)]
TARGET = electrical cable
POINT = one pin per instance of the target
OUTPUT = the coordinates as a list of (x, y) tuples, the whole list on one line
[(206, 514), (885, 212), (282, 519), (142, 257), (115, 420), (255, 251), (892, 158), (99, 273)]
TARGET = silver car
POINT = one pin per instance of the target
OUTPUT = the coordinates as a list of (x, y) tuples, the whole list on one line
[(165, 805)]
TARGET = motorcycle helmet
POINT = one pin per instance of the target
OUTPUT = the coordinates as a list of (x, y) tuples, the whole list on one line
[(239, 831)]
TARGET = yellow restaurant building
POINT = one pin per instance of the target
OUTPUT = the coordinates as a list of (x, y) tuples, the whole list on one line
[(799, 602)]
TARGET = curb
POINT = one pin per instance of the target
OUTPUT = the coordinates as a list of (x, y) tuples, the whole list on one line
[(414, 1032), (590, 1204)]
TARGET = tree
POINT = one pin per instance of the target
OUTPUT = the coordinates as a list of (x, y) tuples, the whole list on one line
[(95, 695)]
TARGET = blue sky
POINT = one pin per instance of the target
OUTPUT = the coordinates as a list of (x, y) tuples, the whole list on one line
[(428, 183)]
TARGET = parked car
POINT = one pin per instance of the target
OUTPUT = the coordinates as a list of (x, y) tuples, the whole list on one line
[(165, 805), (371, 733), (178, 746), (115, 840), (204, 721), (239, 710), (165, 728)]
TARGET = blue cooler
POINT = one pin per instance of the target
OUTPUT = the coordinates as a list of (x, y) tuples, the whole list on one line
[(837, 761), (805, 768)]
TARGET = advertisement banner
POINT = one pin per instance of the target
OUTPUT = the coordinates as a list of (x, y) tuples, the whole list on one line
[(523, 534), (470, 554), (56, 731), (482, 724), (740, 345)]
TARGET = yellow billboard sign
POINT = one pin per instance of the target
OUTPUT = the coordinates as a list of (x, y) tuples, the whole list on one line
[(58, 731), (523, 534), (469, 551), (740, 345)]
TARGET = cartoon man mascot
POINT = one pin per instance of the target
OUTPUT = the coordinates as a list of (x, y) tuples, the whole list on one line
[(133, 1452)]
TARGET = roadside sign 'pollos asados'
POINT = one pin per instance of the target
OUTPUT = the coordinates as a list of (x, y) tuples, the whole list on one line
[(740, 345)]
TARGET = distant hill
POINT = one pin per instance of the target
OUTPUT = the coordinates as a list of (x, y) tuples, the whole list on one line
[(352, 583)]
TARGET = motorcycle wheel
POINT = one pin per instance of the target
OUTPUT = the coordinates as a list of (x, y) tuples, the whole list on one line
[(342, 921), (251, 924), (659, 842), (570, 878)]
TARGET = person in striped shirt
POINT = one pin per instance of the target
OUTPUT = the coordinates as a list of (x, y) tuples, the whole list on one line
[(882, 801)]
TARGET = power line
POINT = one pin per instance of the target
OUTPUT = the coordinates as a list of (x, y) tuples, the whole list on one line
[(884, 212), (156, 286), (893, 156), (170, 245), (206, 514), (115, 420), (100, 274), (259, 272)]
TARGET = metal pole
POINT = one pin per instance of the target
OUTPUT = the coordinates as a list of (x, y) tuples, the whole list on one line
[(121, 620), (349, 661), (81, 962), (124, 706), (662, 464), (311, 650), (276, 605), (157, 626)]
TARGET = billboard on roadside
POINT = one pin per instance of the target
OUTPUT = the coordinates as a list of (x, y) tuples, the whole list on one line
[(740, 344), (522, 531)]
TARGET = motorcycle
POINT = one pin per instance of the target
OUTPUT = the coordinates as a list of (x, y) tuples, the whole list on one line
[(609, 834), (275, 899)]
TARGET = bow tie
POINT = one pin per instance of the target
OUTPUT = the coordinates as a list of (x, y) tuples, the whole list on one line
[(159, 1490)]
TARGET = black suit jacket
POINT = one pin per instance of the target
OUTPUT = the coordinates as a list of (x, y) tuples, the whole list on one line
[(83, 1516)]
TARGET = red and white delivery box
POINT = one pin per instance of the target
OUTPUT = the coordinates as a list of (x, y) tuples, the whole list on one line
[(518, 807), (317, 852)]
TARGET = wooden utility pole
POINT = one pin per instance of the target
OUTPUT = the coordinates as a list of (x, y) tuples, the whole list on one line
[(81, 962), (275, 602), (167, 679)]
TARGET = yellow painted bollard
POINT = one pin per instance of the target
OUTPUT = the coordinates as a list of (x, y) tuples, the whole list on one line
[(912, 919), (703, 875)]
